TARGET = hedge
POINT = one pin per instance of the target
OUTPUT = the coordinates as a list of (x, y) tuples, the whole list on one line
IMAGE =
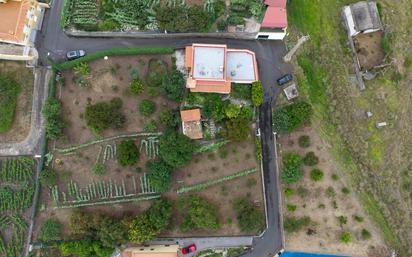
[(113, 52)]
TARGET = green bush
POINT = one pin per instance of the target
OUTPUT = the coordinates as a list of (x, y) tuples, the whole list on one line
[(136, 87), (169, 118), (98, 169), (50, 230), (9, 89), (291, 117), (358, 218), (147, 107), (221, 25), (150, 126), (232, 110), (335, 177), (176, 149), (173, 86), (293, 224), (85, 248), (127, 153), (257, 93), (115, 52), (291, 207), (316, 174), (342, 220), (160, 176), (250, 218), (291, 172), (52, 112), (199, 214), (310, 159), (157, 70), (289, 192), (237, 129), (304, 141), (330, 192), (365, 234), (104, 115), (241, 91), (346, 237), (258, 148), (345, 190), (48, 177)]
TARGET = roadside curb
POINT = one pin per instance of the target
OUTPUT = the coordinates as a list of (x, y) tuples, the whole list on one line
[(280, 191), (241, 35)]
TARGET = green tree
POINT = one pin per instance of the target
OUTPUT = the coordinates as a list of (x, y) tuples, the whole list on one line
[(200, 214), (232, 110), (257, 93), (160, 175), (147, 107), (173, 85), (128, 154), (50, 230), (48, 177), (250, 218), (237, 129), (304, 141), (136, 87), (111, 233), (316, 174), (104, 115), (176, 149), (346, 237), (160, 213), (84, 248), (169, 118), (292, 171), (310, 159), (142, 229), (52, 112), (288, 118), (293, 224)]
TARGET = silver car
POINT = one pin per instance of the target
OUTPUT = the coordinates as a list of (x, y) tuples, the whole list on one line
[(72, 55)]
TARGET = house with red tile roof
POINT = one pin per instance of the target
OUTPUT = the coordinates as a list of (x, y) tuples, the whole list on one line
[(191, 125), (275, 21), (151, 251), (212, 68)]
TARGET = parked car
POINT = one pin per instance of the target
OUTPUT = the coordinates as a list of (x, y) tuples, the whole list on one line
[(72, 55), (189, 249), (284, 79)]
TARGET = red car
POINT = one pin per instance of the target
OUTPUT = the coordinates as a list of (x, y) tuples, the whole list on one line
[(189, 249)]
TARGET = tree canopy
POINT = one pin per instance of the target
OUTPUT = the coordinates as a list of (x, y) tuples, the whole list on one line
[(128, 153), (200, 214), (257, 93), (160, 175), (104, 115), (173, 85), (176, 149), (292, 171), (250, 218), (288, 118), (52, 111)]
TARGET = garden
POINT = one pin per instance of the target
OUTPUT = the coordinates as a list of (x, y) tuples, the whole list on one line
[(157, 15), (16, 195), (321, 213), (117, 156), (15, 101)]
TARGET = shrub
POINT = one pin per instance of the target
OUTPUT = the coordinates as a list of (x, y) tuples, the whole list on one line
[(293, 224), (98, 169), (48, 177), (50, 230), (310, 159), (342, 220), (176, 149), (288, 118), (169, 118), (237, 129), (232, 110), (330, 192), (150, 126), (345, 190), (250, 218), (111, 232), (52, 111), (291, 207), (316, 174), (407, 63), (365, 234), (84, 248), (304, 141), (200, 214), (335, 177), (257, 93), (157, 70), (291, 172), (128, 154), (136, 87), (289, 192), (160, 176), (173, 86), (358, 218), (104, 115), (241, 91), (116, 52), (346, 237), (147, 107)]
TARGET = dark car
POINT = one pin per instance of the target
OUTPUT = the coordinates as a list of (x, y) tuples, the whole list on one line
[(284, 79), (72, 55), (189, 249)]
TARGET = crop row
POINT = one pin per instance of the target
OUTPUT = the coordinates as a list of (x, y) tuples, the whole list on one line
[(15, 244), (212, 146), (84, 12), (16, 170), (151, 147), (19, 200), (210, 183)]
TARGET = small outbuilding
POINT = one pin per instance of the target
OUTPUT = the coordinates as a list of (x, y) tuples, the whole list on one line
[(151, 251), (191, 123), (362, 17)]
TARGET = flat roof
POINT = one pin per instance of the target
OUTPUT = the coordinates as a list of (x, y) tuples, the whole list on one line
[(13, 19), (209, 61), (275, 17), (241, 66)]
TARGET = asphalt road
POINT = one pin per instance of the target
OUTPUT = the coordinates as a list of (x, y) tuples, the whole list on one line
[(53, 41)]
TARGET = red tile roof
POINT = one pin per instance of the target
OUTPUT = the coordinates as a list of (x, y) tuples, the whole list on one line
[(275, 17), (190, 115)]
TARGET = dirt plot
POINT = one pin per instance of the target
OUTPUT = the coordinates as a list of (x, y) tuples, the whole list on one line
[(209, 166), (369, 49), (109, 78), (24, 76), (321, 208)]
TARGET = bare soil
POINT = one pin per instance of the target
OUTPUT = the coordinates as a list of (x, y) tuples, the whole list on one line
[(327, 229), (21, 125), (369, 49)]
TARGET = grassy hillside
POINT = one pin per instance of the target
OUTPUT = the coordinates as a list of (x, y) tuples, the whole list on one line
[(376, 162)]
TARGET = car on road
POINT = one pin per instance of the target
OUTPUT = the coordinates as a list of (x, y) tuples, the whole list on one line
[(284, 79), (72, 55), (189, 249)]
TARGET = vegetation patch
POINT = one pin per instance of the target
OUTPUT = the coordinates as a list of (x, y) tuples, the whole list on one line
[(8, 101)]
